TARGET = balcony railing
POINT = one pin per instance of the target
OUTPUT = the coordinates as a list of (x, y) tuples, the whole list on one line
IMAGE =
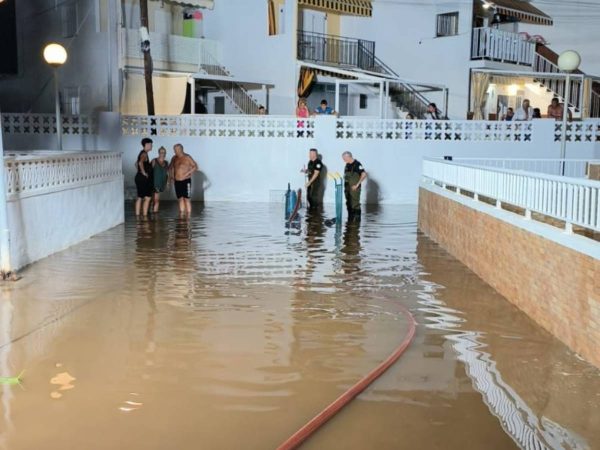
[(498, 45), (337, 50), (173, 49), (570, 200)]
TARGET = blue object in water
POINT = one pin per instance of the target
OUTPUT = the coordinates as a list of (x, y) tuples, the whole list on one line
[(291, 197), (339, 198)]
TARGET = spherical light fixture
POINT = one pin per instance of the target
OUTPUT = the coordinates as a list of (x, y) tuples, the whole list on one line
[(55, 54), (569, 61)]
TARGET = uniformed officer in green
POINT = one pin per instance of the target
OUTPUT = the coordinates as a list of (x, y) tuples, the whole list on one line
[(313, 184), (354, 175)]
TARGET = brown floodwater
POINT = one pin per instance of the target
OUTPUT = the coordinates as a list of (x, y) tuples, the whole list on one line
[(230, 331)]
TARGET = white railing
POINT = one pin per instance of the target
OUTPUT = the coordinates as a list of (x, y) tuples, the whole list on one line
[(571, 200), (218, 126), (171, 48), (433, 130), (32, 123), (575, 168), (35, 174), (503, 46)]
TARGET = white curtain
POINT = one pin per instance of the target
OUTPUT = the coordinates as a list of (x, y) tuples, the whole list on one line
[(169, 95), (480, 83)]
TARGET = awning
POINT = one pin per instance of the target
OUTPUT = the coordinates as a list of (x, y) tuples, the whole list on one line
[(347, 7), (169, 94), (521, 10), (209, 4)]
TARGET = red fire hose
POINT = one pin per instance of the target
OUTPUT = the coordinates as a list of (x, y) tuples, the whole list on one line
[(320, 419)]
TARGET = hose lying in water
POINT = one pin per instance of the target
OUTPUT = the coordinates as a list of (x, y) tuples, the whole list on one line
[(320, 419)]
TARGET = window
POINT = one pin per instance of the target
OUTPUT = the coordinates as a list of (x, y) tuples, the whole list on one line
[(362, 101), (69, 20), (447, 24)]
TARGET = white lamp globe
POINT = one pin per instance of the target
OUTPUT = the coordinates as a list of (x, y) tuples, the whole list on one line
[(55, 54), (569, 61)]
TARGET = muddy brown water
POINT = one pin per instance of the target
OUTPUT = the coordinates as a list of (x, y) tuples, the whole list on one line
[(229, 331)]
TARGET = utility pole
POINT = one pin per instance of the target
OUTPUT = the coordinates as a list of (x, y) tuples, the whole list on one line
[(145, 42)]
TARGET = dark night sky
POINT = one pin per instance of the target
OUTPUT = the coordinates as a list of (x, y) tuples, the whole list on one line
[(8, 38)]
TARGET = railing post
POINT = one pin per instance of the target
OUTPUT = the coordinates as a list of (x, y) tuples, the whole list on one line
[(5, 265)]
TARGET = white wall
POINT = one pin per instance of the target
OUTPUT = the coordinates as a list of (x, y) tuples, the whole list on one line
[(405, 40), (249, 53), (45, 224)]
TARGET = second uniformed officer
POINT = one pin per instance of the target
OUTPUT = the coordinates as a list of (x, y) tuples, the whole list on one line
[(354, 175), (313, 184)]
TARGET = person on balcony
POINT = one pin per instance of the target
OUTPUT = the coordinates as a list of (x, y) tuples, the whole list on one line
[(509, 116), (432, 112), (262, 111), (324, 109), (525, 112), (354, 175), (302, 111), (313, 184), (556, 110), (160, 175), (143, 179), (537, 113)]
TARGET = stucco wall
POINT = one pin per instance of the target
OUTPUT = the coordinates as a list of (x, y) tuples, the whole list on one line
[(45, 224), (556, 285)]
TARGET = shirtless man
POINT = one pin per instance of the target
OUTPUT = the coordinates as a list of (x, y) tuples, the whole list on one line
[(181, 168), (556, 110)]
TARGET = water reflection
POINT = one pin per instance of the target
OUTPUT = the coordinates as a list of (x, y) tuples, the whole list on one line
[(262, 329)]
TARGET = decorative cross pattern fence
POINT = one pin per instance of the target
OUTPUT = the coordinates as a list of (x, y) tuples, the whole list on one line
[(33, 174), (587, 131), (218, 126), (17, 123), (434, 130), (570, 200)]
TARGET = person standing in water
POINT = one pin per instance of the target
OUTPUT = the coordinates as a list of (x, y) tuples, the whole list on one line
[(160, 176), (354, 175), (143, 179), (313, 185), (182, 167)]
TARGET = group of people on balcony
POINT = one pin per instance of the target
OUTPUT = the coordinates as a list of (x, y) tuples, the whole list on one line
[(302, 111), (526, 112)]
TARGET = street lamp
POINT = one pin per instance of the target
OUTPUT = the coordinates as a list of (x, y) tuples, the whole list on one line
[(568, 62), (56, 55)]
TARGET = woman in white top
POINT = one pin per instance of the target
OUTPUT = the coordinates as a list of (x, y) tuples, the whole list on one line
[(525, 112)]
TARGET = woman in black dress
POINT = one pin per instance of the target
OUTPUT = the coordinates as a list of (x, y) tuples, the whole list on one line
[(143, 183)]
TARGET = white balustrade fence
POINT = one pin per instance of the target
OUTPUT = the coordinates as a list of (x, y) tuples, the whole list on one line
[(503, 46), (576, 168), (30, 123), (218, 126), (574, 201), (35, 174)]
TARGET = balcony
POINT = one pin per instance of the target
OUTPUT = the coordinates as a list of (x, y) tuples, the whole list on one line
[(339, 51), (172, 49), (503, 46)]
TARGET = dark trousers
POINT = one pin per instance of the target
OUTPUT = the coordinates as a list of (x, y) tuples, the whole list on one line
[(352, 199), (313, 196)]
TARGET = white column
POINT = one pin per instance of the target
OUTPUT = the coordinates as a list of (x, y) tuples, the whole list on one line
[(5, 266), (192, 82), (563, 141), (337, 96), (381, 100)]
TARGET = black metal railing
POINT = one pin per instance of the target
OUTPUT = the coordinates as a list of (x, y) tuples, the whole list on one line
[(336, 50)]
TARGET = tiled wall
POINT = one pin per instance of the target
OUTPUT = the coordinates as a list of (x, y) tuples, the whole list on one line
[(557, 287)]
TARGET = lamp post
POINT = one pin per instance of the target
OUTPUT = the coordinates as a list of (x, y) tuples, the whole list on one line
[(56, 55), (5, 267), (568, 62)]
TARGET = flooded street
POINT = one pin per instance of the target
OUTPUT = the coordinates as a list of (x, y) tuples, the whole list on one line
[(230, 331)]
